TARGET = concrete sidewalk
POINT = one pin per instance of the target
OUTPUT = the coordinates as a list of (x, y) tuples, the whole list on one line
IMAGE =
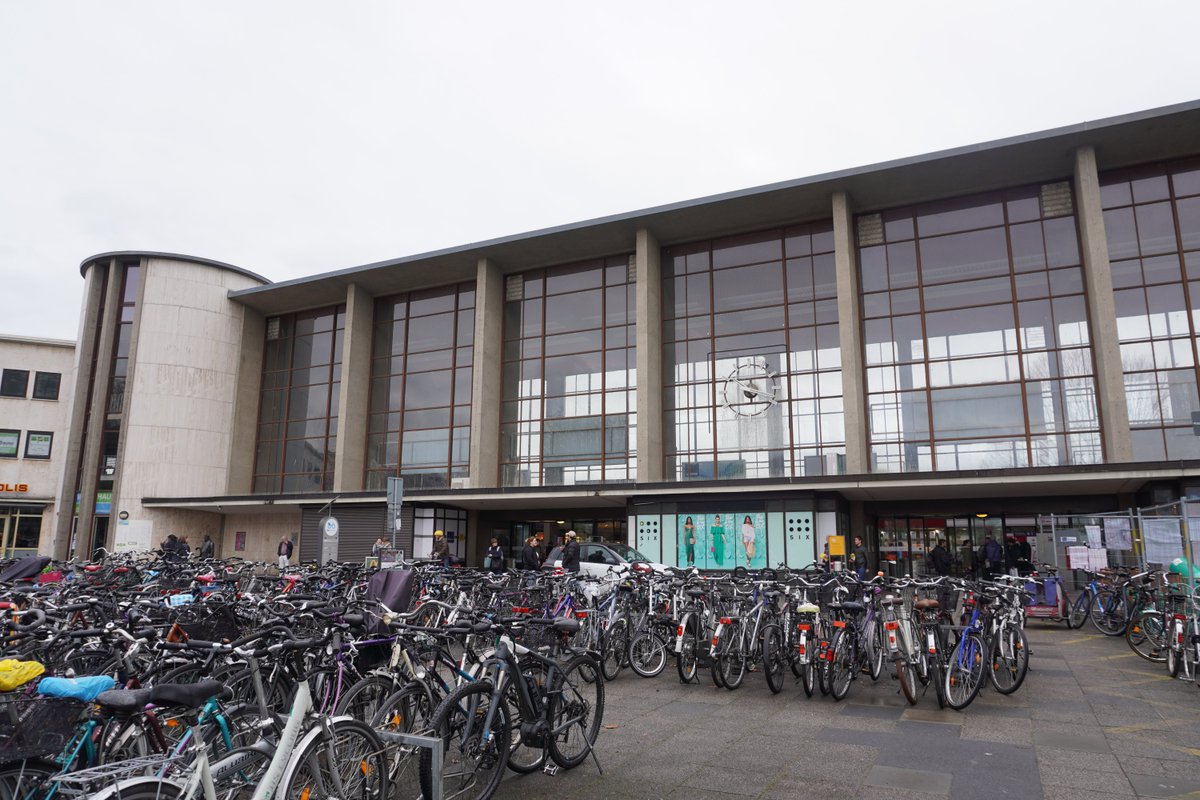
[(1092, 721)]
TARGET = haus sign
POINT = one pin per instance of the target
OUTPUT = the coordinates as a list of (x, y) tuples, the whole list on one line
[(17, 488)]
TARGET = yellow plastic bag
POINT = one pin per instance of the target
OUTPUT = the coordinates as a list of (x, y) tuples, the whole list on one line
[(14, 673)]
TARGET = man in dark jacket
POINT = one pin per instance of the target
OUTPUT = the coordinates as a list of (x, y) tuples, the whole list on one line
[(939, 558), (531, 557), (858, 558), (169, 547), (570, 553)]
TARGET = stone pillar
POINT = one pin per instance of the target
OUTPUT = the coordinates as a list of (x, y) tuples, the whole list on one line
[(649, 359), (1102, 313), (486, 376), (854, 395), (244, 429), (354, 391), (84, 353)]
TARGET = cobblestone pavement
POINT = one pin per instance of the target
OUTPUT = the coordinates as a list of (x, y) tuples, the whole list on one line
[(1092, 721)]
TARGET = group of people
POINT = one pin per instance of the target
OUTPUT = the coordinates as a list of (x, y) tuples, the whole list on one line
[(1014, 557), (535, 552), (177, 549)]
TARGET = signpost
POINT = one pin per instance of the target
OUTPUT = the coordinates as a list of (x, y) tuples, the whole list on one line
[(395, 499), (329, 539)]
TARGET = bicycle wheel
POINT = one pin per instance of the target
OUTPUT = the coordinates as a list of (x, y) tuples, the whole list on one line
[(1174, 662), (21, 779), (647, 654), (473, 759), (1108, 613), (907, 677), (1080, 610), (876, 649), (964, 673), (362, 700), (405, 711), (613, 644), (349, 761), (575, 711), (245, 770), (809, 678), (124, 738), (687, 663), (773, 657), (731, 660), (841, 667), (1147, 636), (1009, 660)]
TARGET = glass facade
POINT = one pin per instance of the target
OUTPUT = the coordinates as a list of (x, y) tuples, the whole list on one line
[(975, 336), (420, 406), (298, 408), (1152, 221), (751, 357), (569, 395)]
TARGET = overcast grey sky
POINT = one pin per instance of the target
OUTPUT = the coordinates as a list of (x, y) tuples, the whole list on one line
[(296, 137)]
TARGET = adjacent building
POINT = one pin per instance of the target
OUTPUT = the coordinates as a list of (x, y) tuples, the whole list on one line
[(943, 346)]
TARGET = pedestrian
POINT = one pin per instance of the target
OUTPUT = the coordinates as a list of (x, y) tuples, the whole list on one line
[(858, 558), (184, 551), (207, 547), (991, 556), (1012, 554), (377, 548), (495, 557), (531, 557), (570, 553), (284, 551), (939, 557), (441, 549), (168, 547)]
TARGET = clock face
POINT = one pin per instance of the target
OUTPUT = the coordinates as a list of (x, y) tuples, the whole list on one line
[(750, 389)]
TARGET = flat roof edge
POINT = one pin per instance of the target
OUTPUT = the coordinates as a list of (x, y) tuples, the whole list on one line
[(208, 262)]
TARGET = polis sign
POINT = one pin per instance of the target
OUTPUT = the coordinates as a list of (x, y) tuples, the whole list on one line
[(18, 488)]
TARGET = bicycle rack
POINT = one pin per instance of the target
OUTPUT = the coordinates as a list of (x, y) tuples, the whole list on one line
[(431, 743)]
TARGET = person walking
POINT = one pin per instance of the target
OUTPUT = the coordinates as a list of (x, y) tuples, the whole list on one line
[(284, 551), (531, 556), (441, 549), (207, 547), (570, 553), (184, 551), (858, 558), (991, 555), (939, 557)]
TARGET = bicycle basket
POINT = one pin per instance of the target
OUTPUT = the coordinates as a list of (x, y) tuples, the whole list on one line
[(36, 727), (219, 624)]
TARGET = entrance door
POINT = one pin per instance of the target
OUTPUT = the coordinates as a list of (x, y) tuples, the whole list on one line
[(20, 533), (99, 536)]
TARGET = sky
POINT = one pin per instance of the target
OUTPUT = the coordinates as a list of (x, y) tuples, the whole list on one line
[(293, 137)]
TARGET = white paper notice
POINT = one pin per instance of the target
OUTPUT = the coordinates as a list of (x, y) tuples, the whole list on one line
[(1077, 558), (1093, 536), (1117, 534), (1097, 559), (1162, 539)]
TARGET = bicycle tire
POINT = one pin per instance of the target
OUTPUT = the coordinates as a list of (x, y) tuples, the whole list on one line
[(687, 663), (362, 700), (809, 678), (964, 672), (613, 644), (907, 677), (575, 712), (1174, 662), (647, 654), (876, 649), (841, 666), (1108, 613), (731, 661), (1080, 611), (1013, 667), (17, 777), (240, 783), (471, 768), (773, 658), (1146, 635), (355, 756)]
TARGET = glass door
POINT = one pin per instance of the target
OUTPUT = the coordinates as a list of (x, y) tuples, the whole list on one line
[(20, 533)]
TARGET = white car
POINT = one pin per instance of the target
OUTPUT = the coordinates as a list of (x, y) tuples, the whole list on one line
[(597, 558)]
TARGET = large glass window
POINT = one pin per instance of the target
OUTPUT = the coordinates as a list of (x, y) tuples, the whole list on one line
[(569, 388), (751, 357), (14, 383), (420, 417), (975, 335), (298, 410), (1152, 221), (45, 385)]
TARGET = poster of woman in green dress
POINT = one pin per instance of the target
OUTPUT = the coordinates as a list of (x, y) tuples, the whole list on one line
[(692, 536), (717, 537)]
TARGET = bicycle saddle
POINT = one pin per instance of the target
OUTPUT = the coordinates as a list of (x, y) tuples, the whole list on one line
[(927, 605), (124, 701), (187, 695), (853, 606)]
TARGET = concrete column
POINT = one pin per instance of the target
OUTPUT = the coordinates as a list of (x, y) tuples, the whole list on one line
[(486, 376), (84, 353), (354, 392), (1102, 313), (649, 359), (854, 394), (247, 394)]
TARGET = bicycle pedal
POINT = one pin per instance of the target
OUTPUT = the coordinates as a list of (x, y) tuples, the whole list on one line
[(551, 768)]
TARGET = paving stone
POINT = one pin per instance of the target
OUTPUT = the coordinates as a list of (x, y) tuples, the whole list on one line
[(1084, 779), (1160, 786), (943, 715), (909, 779)]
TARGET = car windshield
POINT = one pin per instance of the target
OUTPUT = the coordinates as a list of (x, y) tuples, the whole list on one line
[(626, 552)]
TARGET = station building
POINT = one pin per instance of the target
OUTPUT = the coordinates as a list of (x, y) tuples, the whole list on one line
[(944, 346)]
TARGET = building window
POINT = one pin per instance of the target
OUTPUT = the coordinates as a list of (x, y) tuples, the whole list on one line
[(14, 383), (420, 406), (10, 443), (450, 521), (975, 335), (38, 444), (1152, 222), (298, 408), (45, 385), (569, 399), (752, 358)]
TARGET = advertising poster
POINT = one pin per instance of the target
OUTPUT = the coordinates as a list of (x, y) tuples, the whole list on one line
[(9, 440), (37, 445), (751, 538), (693, 539)]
